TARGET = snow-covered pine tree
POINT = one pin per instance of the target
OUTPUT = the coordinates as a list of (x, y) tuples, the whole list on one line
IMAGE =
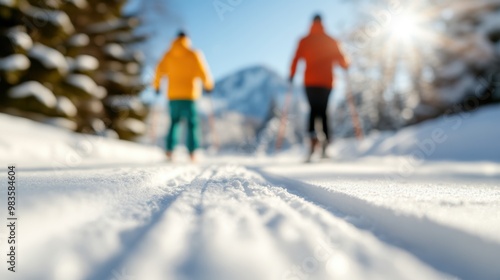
[(377, 58), (32, 66), (113, 40), (467, 73), (72, 63), (419, 60)]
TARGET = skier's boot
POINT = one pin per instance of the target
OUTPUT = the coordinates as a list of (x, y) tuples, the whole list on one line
[(193, 158), (314, 145), (169, 156), (324, 146)]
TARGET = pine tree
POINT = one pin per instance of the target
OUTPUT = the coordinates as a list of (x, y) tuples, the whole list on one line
[(72, 63), (31, 66), (377, 58), (113, 42), (467, 74), (450, 64)]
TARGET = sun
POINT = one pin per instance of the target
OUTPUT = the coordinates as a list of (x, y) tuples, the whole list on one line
[(405, 27)]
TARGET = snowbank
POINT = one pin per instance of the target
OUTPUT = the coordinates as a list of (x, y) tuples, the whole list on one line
[(463, 137), (30, 144)]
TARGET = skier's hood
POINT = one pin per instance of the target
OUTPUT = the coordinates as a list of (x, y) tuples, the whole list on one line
[(180, 46), (317, 28)]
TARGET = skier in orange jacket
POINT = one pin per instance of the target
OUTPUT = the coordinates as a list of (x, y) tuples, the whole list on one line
[(321, 54), (185, 69)]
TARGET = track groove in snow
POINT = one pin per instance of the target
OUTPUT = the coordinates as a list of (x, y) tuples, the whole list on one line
[(216, 222), (134, 237), (232, 224), (95, 208), (446, 248)]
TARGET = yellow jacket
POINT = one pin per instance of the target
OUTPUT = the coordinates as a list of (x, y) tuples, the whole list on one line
[(183, 66)]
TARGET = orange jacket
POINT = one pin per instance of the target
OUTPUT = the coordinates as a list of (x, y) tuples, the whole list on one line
[(183, 67), (321, 53)]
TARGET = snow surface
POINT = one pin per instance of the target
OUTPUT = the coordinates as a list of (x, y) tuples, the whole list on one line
[(65, 106), (116, 51), (33, 88), (30, 144), (443, 213), (81, 4), (50, 58), (133, 125), (61, 123), (83, 82), (85, 63), (8, 3), (468, 136), (15, 62), (55, 17), (100, 92), (133, 103), (20, 38), (79, 40), (107, 209)]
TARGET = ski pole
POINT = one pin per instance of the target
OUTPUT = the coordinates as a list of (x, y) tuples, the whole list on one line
[(284, 113), (211, 125), (352, 108), (154, 123)]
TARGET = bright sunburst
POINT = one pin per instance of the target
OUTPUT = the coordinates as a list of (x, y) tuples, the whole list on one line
[(407, 41), (405, 27)]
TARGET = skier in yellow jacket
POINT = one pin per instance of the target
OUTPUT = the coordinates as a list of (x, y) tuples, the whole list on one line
[(185, 68)]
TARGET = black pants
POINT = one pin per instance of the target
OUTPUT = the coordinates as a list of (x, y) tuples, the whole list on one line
[(318, 101)]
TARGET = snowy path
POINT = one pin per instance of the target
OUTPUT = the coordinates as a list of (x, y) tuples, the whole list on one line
[(84, 214), (231, 222), (450, 221)]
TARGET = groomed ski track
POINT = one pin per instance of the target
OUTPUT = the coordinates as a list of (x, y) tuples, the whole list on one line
[(229, 222)]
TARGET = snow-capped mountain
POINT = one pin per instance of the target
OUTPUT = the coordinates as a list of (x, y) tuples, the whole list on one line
[(246, 106), (251, 92)]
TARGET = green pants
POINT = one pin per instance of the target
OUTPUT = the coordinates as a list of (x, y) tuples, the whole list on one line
[(179, 110)]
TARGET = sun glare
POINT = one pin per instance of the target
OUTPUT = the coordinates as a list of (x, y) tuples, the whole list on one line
[(407, 41), (404, 27)]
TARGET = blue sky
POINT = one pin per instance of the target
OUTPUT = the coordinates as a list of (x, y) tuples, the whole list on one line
[(248, 32)]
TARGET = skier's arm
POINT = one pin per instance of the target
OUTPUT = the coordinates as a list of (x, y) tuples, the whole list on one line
[(341, 58), (161, 71), (297, 57), (204, 72)]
